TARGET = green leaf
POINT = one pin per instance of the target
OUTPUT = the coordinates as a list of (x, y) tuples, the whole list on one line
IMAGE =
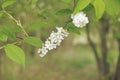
[(37, 25), (70, 26), (3, 37), (112, 7), (99, 8), (8, 3), (63, 12), (81, 4), (88, 8), (33, 41), (8, 31), (15, 53)]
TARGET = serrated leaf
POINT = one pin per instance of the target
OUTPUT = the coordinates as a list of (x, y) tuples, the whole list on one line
[(37, 25), (33, 41), (63, 12), (3, 37), (8, 3), (15, 53), (112, 7), (8, 31), (70, 26), (81, 4), (99, 8)]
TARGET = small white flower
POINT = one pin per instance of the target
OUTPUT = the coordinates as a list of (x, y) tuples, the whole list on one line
[(41, 55), (80, 19), (49, 45), (52, 37), (39, 50), (42, 51), (53, 41), (65, 33), (59, 29)]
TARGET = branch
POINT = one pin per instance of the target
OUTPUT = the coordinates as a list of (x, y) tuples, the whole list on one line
[(16, 21), (93, 46), (17, 42), (104, 29)]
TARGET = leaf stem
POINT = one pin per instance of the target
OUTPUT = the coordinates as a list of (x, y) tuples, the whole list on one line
[(12, 43), (16, 21), (69, 18)]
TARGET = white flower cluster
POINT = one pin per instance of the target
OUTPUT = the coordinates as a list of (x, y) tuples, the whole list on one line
[(53, 41), (80, 19)]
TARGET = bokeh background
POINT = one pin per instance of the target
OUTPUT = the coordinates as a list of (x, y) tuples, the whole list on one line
[(73, 60)]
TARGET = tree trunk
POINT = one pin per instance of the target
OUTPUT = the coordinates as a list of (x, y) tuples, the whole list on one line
[(102, 64), (103, 35), (93, 46), (117, 73)]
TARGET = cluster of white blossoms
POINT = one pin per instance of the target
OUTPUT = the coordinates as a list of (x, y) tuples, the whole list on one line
[(80, 19), (53, 41)]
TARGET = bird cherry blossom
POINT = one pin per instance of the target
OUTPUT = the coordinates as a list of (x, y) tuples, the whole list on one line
[(80, 19), (53, 41)]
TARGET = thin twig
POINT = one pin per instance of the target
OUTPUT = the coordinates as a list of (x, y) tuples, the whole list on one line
[(16, 21), (17, 42)]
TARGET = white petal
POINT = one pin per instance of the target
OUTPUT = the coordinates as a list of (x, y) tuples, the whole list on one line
[(41, 55), (80, 20)]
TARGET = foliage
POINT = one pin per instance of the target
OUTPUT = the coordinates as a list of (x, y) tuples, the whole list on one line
[(33, 41), (70, 26), (99, 8), (8, 3), (7, 33), (15, 53), (81, 4), (63, 12)]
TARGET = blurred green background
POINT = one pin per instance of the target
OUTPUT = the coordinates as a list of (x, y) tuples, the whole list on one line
[(73, 60)]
